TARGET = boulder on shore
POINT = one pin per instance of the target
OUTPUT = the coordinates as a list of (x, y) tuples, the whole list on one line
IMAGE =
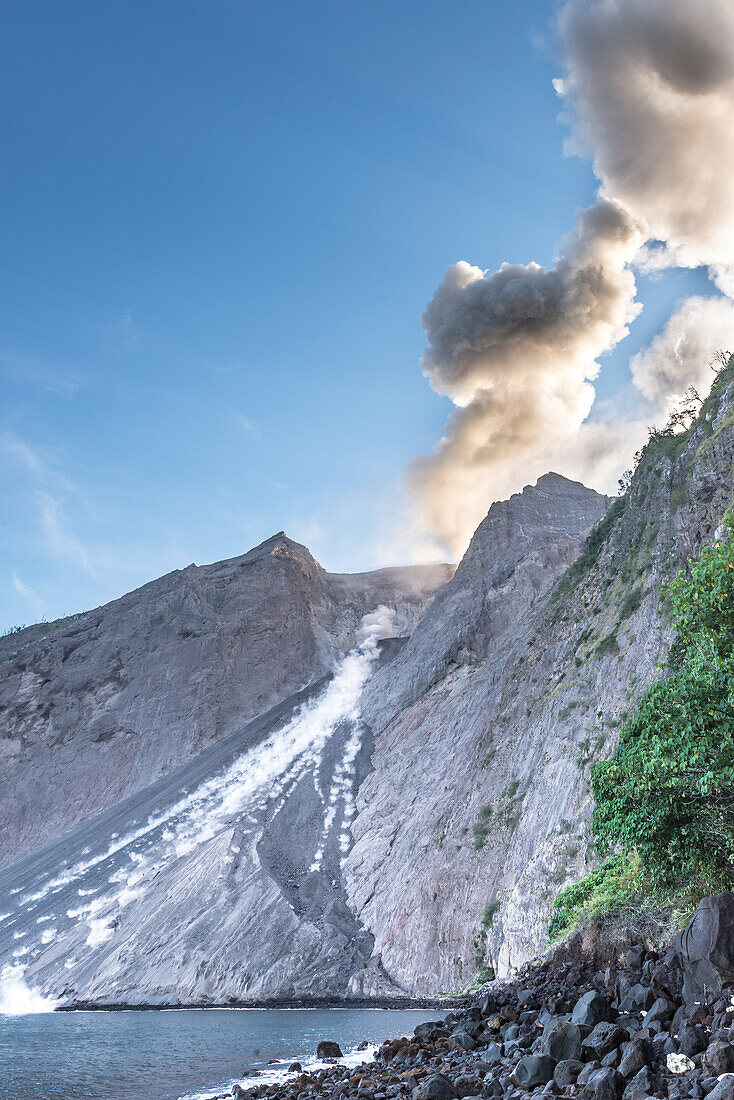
[(328, 1049), (705, 948)]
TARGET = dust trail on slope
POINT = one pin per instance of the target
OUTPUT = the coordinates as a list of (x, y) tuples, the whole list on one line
[(264, 772)]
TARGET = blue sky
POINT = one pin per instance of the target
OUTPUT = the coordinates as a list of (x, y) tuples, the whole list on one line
[(221, 223)]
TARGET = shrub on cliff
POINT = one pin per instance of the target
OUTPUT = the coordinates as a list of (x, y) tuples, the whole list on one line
[(610, 888), (665, 799), (667, 793)]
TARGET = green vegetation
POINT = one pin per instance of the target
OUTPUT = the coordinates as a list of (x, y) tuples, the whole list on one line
[(668, 791), (488, 757), (592, 549), (664, 802), (485, 970), (608, 644), (490, 912), (612, 887), (13, 640), (631, 602), (481, 826)]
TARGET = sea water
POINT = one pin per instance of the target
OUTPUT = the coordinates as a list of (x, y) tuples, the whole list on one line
[(165, 1055)]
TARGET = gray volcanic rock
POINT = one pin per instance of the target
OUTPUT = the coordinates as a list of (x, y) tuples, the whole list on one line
[(515, 681), (220, 882), (434, 712), (114, 698), (517, 551), (706, 948)]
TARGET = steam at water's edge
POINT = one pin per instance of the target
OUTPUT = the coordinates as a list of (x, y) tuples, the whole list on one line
[(19, 999)]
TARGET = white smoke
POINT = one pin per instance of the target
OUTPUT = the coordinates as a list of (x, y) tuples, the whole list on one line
[(19, 999), (679, 355), (649, 86), (516, 350)]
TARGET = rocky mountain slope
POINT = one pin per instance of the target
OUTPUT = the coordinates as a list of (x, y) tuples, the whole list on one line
[(402, 825), (108, 701), (225, 879), (476, 810)]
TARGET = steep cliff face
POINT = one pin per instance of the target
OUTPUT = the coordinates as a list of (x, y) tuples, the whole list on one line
[(109, 701), (486, 725), (402, 822)]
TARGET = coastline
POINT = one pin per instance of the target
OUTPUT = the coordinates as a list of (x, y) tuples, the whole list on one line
[(447, 1002)]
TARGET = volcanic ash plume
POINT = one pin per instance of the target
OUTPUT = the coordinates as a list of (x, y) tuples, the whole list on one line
[(651, 87), (516, 351), (679, 355)]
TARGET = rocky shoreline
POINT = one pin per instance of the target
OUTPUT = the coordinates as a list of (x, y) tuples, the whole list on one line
[(302, 1002), (648, 1024)]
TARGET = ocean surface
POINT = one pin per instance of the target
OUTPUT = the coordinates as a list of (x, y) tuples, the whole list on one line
[(165, 1055)]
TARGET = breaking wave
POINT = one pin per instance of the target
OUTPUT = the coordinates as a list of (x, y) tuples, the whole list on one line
[(19, 999)]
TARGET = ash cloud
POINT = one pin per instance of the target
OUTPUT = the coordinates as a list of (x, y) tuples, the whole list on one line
[(649, 90), (650, 84), (516, 351), (679, 355)]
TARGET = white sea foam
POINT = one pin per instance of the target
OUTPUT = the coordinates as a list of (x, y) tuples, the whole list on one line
[(272, 1075), (19, 999)]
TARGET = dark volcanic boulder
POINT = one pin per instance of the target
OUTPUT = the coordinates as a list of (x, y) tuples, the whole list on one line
[(437, 1087), (691, 1040), (562, 1040), (604, 1084), (590, 1009), (661, 1010), (468, 1085), (723, 1089), (328, 1049), (425, 1031), (637, 1054), (645, 1083), (719, 1058), (637, 999), (706, 948), (566, 1072), (532, 1071), (603, 1038), (461, 1040), (492, 1054), (586, 1072), (635, 956)]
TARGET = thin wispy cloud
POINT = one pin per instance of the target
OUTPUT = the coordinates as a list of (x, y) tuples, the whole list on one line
[(37, 372), (129, 331), (220, 368), (43, 464), (49, 488), (58, 534), (24, 453), (247, 424), (28, 594)]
